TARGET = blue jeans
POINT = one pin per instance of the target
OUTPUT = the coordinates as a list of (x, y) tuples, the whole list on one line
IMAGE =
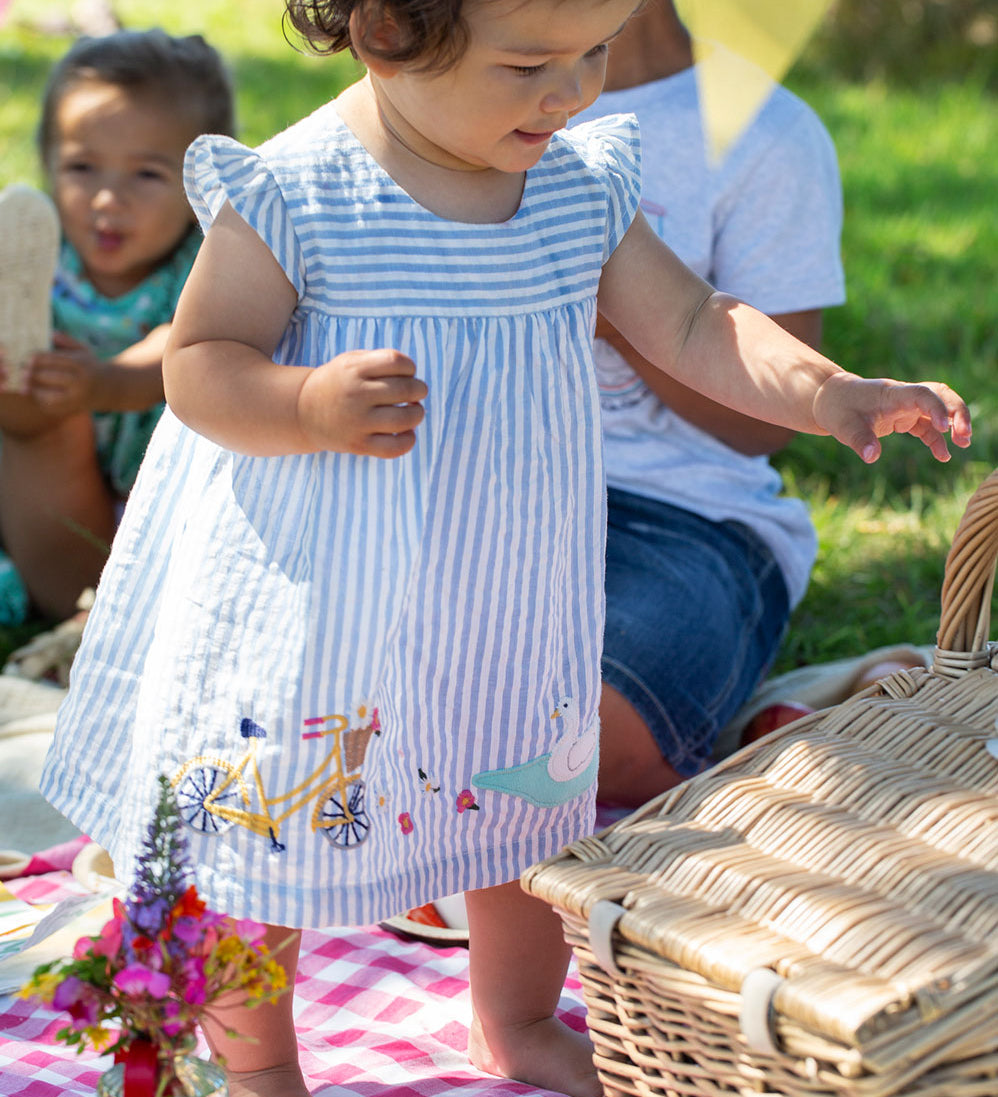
[(695, 612)]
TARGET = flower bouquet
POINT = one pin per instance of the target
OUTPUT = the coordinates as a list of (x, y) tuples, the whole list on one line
[(139, 989)]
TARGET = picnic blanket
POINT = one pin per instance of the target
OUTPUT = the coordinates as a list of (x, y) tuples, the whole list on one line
[(375, 1013), (28, 824)]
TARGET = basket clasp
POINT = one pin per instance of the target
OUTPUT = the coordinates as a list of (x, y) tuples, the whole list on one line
[(603, 919), (755, 1017)]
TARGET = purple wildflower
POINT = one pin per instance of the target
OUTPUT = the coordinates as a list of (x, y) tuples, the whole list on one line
[(79, 1000), (163, 871)]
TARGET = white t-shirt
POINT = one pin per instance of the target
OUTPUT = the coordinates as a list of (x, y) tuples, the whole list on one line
[(763, 225)]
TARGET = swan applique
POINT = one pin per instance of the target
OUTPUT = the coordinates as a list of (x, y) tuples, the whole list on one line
[(574, 749), (558, 775)]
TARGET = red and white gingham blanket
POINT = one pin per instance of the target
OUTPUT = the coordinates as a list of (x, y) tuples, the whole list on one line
[(375, 1013)]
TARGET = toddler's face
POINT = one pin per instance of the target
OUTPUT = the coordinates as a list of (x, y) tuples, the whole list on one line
[(529, 66), (116, 167)]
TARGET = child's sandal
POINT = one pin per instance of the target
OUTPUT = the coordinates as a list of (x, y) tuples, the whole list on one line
[(29, 250)]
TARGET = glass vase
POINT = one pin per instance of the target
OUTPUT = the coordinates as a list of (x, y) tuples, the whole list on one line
[(181, 1074)]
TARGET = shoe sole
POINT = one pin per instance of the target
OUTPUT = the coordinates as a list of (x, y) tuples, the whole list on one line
[(29, 250)]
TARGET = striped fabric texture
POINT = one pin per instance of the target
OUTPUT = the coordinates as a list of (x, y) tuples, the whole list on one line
[(373, 683)]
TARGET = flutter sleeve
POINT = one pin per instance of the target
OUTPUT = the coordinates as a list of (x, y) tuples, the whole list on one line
[(611, 146), (219, 170)]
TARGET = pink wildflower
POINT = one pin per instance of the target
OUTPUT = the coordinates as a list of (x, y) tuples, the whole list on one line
[(107, 944), (173, 1024), (405, 822), (249, 931), (136, 980), (195, 984)]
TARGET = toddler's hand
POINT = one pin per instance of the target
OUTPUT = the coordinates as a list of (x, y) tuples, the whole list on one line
[(66, 379), (858, 411), (365, 402)]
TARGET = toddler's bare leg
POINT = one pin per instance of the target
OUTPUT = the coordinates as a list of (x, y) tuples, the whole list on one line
[(518, 960), (56, 512), (266, 1065)]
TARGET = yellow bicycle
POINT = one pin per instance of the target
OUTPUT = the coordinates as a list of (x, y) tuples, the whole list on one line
[(213, 794)]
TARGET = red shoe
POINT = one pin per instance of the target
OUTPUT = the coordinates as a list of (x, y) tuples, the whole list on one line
[(772, 717), (444, 922)]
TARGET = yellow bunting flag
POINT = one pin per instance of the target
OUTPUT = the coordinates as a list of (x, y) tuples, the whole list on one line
[(741, 48)]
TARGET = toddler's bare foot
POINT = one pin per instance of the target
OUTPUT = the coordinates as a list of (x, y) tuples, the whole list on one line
[(279, 1081), (545, 1053)]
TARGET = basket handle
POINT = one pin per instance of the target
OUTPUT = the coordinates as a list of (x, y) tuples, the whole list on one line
[(962, 639)]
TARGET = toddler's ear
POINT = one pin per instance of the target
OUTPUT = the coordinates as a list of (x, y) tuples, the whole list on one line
[(375, 36)]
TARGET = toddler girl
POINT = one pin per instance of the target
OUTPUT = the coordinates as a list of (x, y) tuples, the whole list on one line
[(117, 115), (355, 605)]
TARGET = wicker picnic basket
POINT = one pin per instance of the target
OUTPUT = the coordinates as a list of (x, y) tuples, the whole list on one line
[(817, 915)]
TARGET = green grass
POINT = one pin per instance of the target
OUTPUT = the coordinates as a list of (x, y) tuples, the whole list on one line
[(920, 174), (919, 161)]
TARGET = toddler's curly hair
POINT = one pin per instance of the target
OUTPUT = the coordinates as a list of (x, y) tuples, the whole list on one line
[(432, 34)]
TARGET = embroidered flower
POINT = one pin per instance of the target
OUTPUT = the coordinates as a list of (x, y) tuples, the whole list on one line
[(429, 783), (405, 822), (365, 715), (466, 801)]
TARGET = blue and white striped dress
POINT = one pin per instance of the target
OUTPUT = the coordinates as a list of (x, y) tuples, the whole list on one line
[(372, 683)]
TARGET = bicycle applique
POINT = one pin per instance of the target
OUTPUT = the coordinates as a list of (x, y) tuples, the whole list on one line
[(213, 795)]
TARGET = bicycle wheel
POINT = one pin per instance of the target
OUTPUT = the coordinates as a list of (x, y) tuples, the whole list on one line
[(341, 818), (195, 788)]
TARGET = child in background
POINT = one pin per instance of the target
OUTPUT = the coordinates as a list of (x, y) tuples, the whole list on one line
[(354, 608), (117, 115)]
